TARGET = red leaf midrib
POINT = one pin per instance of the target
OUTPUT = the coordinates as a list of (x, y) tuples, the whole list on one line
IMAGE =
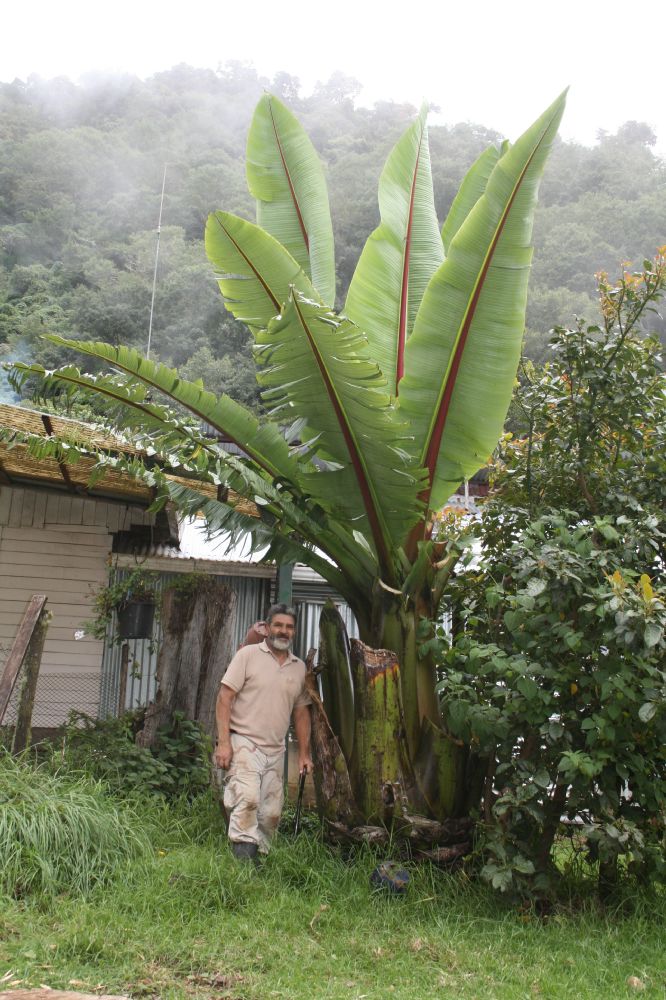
[(432, 453), (299, 214), (354, 455), (402, 325)]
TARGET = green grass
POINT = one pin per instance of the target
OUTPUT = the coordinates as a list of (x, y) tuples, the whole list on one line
[(190, 922), (62, 833)]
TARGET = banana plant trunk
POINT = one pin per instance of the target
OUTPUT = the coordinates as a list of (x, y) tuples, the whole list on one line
[(383, 760)]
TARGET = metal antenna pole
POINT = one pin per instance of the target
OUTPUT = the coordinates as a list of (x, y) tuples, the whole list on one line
[(157, 254)]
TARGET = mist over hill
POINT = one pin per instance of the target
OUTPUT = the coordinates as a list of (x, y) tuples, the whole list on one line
[(81, 169)]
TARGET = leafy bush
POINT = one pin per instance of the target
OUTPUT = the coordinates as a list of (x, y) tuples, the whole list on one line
[(556, 676), (567, 700), (61, 833), (106, 750)]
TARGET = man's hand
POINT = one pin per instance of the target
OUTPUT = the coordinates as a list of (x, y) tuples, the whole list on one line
[(305, 764), (223, 755)]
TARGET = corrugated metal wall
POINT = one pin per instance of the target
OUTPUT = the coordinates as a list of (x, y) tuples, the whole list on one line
[(252, 596), (307, 627)]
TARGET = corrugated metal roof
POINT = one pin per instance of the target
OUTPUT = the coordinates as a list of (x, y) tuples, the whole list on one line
[(197, 553)]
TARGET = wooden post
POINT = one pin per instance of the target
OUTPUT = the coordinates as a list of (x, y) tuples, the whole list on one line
[(19, 650), (32, 662), (122, 686)]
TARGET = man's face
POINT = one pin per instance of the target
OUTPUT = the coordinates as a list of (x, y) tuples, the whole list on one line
[(281, 630)]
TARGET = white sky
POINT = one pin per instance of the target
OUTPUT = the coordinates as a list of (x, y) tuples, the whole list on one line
[(495, 62)]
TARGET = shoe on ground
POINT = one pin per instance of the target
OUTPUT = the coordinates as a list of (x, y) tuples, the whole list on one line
[(244, 850)]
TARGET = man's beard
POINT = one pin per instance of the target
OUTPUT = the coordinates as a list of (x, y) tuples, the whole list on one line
[(279, 643)]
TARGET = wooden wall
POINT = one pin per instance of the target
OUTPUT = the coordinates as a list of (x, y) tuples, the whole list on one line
[(58, 544)]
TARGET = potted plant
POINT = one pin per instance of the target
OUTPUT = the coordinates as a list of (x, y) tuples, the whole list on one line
[(132, 598)]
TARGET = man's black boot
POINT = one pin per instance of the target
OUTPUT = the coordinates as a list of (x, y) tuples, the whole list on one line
[(244, 850)]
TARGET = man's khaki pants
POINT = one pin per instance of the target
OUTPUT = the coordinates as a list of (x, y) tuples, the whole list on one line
[(253, 793)]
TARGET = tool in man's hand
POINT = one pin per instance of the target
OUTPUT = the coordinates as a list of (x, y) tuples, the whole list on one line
[(299, 802)]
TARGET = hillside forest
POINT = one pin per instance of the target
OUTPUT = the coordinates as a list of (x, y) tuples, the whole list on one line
[(81, 172)]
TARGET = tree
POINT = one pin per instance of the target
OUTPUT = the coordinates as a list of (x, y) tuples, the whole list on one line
[(374, 417), (558, 674)]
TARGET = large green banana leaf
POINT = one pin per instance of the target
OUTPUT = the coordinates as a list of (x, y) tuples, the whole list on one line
[(286, 177), (261, 441), (317, 365), (473, 185), (461, 359), (400, 256), (254, 270), (183, 448)]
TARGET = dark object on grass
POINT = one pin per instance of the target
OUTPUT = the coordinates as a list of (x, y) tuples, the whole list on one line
[(390, 876), (299, 802), (244, 850)]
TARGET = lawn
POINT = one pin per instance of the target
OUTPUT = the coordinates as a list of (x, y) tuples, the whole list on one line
[(185, 920)]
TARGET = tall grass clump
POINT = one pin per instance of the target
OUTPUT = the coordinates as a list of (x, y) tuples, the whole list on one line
[(62, 833)]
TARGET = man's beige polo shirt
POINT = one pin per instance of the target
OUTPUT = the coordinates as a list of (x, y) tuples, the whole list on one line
[(266, 694)]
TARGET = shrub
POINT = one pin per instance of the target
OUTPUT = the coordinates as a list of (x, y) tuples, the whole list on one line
[(106, 750)]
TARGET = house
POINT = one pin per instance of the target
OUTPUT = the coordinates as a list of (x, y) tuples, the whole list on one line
[(63, 537)]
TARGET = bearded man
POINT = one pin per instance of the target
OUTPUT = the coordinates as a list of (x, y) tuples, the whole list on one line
[(264, 685)]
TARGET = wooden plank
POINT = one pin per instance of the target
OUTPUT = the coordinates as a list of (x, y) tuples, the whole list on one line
[(47, 545), (76, 516), (14, 609), (40, 510), (113, 517), (32, 662), (82, 535), (28, 508), (62, 591), (64, 510), (66, 573), (52, 508), (49, 560), (18, 650), (88, 511), (5, 503), (16, 508), (72, 661), (101, 511), (64, 642), (66, 675), (63, 626)]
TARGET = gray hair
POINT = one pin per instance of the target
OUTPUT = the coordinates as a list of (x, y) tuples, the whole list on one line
[(280, 609)]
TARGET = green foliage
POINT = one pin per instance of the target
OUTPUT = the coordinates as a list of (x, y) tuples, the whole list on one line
[(178, 765), (190, 921), (81, 174), (61, 832), (136, 586), (185, 750), (557, 678), (350, 461)]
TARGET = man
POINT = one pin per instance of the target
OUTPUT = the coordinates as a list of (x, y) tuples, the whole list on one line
[(264, 684)]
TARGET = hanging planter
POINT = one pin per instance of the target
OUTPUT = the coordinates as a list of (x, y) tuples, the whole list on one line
[(132, 598), (135, 619)]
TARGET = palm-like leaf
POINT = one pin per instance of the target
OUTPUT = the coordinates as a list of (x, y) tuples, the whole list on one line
[(162, 442), (286, 177), (470, 324), (473, 185), (318, 365), (262, 440), (254, 271), (401, 255)]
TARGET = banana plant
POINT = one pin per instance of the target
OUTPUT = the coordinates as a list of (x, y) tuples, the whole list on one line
[(373, 416)]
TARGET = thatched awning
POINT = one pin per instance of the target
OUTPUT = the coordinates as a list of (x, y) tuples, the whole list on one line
[(20, 468)]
